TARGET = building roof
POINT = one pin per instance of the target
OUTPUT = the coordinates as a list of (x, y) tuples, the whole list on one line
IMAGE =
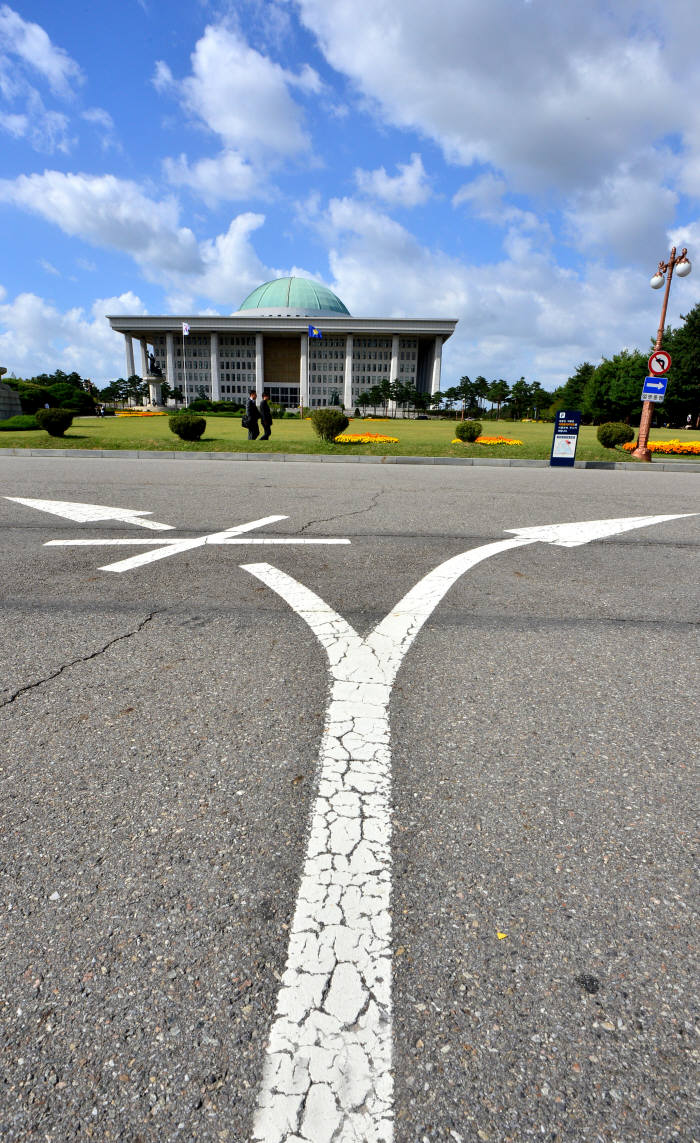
[(293, 297)]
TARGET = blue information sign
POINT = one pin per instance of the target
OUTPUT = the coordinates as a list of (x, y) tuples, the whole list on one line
[(566, 426), (654, 388)]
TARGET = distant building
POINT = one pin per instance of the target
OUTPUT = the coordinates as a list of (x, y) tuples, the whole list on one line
[(266, 344)]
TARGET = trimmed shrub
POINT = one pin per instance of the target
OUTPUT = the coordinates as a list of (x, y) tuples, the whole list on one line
[(278, 411), (54, 421), (186, 426), (328, 423), (19, 423), (468, 430), (612, 434)]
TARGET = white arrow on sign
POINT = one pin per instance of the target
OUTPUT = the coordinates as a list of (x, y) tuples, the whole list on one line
[(649, 384), (328, 1068), (89, 513)]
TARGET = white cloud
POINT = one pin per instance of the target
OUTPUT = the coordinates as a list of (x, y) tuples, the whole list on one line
[(629, 213), (36, 337), (99, 117), (45, 131), (522, 315), (115, 213), (109, 212), (244, 98), (409, 188), (226, 177), (29, 43), (551, 101), (26, 50)]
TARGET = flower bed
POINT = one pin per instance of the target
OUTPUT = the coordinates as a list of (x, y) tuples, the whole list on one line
[(668, 448), (491, 440), (365, 438), (145, 413)]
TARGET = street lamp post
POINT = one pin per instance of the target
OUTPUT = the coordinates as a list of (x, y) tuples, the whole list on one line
[(682, 267)]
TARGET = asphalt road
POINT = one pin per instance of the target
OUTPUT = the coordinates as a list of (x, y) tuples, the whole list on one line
[(159, 740)]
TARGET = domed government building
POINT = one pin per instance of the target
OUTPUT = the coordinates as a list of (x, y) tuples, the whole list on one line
[(292, 337)]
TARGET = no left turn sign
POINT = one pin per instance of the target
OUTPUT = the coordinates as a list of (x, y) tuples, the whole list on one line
[(659, 362)]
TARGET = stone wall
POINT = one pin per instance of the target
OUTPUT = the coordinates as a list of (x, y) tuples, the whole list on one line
[(10, 404)]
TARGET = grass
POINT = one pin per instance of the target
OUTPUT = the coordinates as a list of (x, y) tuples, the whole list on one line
[(416, 438)]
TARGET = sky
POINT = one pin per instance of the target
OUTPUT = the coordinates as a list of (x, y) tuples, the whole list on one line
[(520, 165)]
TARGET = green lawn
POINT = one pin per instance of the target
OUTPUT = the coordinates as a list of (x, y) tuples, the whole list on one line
[(416, 438)]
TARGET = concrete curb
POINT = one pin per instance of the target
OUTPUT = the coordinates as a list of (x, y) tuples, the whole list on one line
[(319, 458)]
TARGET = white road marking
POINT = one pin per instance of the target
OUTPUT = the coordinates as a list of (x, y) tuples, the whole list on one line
[(172, 540), (89, 513), (327, 1072), (582, 532), (171, 546)]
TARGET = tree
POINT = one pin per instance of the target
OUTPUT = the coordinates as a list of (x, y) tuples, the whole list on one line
[(385, 388), (519, 400), (450, 396), (539, 397), (683, 391), (364, 401), (436, 399), (497, 393), (612, 392), (376, 397), (135, 388), (570, 394), (464, 392)]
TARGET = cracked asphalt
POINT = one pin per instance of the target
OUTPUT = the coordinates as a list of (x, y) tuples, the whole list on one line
[(160, 733)]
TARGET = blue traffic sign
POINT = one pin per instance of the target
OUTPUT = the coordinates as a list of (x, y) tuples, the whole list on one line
[(654, 388)]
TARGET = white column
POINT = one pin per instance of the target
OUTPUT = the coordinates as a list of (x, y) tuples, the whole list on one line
[(304, 371), (259, 366), (347, 394), (129, 343), (144, 358), (170, 376), (394, 373), (215, 386), (437, 365)]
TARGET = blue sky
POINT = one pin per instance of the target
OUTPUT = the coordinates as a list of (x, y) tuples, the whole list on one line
[(520, 165)]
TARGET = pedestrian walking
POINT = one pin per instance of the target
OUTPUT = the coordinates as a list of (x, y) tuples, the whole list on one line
[(266, 416), (252, 416)]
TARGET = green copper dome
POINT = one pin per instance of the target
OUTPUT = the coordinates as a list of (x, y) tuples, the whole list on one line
[(293, 297)]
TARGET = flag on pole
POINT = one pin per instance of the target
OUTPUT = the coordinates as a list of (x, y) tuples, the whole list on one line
[(314, 331), (185, 329)]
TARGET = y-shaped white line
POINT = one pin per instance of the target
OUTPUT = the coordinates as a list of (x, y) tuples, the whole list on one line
[(328, 1068)]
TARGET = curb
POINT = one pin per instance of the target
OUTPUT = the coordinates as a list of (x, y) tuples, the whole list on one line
[(319, 458)]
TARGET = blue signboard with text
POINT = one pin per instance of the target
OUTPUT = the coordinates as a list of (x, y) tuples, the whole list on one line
[(654, 388), (566, 426)]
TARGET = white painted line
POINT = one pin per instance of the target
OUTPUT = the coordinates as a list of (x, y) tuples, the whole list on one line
[(188, 545), (130, 542), (327, 1075), (172, 540), (89, 513)]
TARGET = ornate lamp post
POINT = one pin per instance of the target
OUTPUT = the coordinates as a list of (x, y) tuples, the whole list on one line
[(664, 273)]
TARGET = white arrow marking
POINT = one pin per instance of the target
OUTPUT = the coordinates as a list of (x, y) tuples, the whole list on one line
[(89, 513), (582, 532), (327, 1072)]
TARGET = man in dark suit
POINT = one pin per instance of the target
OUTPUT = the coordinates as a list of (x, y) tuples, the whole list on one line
[(266, 417), (251, 412)]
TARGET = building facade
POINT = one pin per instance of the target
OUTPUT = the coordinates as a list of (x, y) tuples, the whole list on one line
[(269, 344)]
